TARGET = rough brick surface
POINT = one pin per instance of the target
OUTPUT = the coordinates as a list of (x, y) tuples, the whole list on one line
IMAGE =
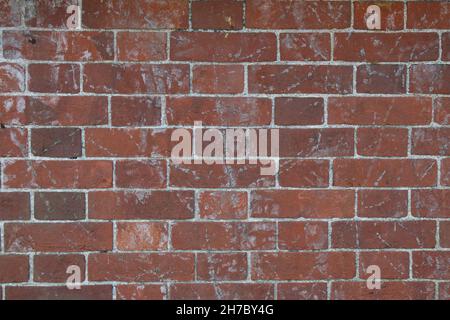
[(89, 119)]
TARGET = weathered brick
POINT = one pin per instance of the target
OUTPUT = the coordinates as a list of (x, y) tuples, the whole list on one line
[(383, 235), (302, 235), (222, 266), (297, 14), (218, 79), (58, 46), (141, 205), (223, 236), (304, 173), (430, 78), (373, 78), (431, 141), (303, 204), (445, 172), (389, 47), (223, 47), (141, 174), (305, 46), (47, 14), (224, 14), (431, 203), (135, 236), (140, 14), (14, 268), (52, 268), (446, 46), (14, 206), (391, 14), (392, 264), (382, 203), (382, 142), (444, 234), (35, 174), (442, 111), (136, 78), (222, 291), (300, 79), (428, 15), (90, 292), (302, 291), (129, 266), (223, 205), (141, 292), (135, 111), (13, 142), (141, 46), (280, 265), (11, 13), (54, 78), (56, 142), (58, 237), (225, 111), (431, 265), (380, 110), (12, 77), (59, 206), (385, 173), (299, 111)]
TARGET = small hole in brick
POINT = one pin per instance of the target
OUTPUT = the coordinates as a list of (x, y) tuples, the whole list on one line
[(32, 40), (2, 126)]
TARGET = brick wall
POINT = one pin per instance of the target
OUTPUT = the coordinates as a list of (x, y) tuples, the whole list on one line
[(86, 178)]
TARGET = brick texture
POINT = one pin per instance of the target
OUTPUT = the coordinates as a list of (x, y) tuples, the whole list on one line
[(87, 118)]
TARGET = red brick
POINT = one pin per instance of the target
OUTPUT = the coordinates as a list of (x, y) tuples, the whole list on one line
[(391, 15), (142, 236), (303, 265), (405, 290), (11, 13), (430, 78), (14, 268), (223, 205), (141, 46), (223, 47), (140, 14), (222, 291), (444, 291), (223, 236), (428, 15), (446, 46), (12, 110), (444, 234), (218, 78), (385, 173), (392, 264), (129, 267), (105, 142), (54, 78), (59, 206), (305, 46), (431, 141), (389, 47), (48, 14), (319, 204), (141, 205), (14, 206), (329, 142), (56, 142), (431, 265), (304, 173), (431, 203), (382, 142), (302, 235), (373, 78), (136, 78), (383, 235), (222, 266), (219, 176), (54, 174), (302, 291), (442, 111), (299, 111), (213, 14), (297, 14), (228, 111), (141, 174), (382, 203), (58, 46), (380, 110), (141, 292), (13, 142), (300, 79), (58, 237), (12, 77), (63, 110), (445, 172), (91, 292), (135, 111), (53, 268)]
